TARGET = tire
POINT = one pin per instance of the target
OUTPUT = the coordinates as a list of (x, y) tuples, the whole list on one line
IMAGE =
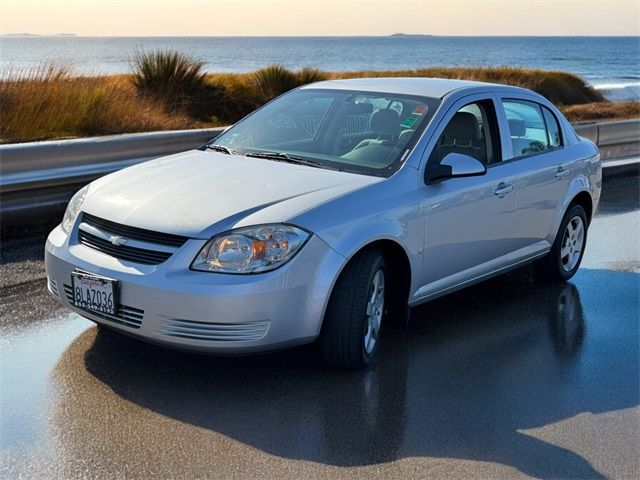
[(350, 336), (564, 259)]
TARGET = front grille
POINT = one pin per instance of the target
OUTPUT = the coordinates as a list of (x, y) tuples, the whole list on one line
[(221, 332), (134, 233), (122, 252), (127, 316)]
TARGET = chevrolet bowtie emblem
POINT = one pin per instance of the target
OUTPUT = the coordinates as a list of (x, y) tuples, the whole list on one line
[(117, 240)]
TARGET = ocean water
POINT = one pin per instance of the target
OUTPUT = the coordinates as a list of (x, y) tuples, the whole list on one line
[(610, 64)]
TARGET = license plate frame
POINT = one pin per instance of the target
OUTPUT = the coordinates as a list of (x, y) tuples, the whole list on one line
[(91, 286)]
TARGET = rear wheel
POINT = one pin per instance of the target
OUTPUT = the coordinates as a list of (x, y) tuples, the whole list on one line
[(564, 259), (352, 324)]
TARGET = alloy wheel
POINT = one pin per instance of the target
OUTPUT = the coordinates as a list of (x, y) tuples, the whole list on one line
[(572, 244), (375, 309)]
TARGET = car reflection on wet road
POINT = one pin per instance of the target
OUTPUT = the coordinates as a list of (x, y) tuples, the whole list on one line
[(504, 379)]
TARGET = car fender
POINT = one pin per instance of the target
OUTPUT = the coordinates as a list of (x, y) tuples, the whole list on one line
[(390, 210), (359, 238), (578, 184)]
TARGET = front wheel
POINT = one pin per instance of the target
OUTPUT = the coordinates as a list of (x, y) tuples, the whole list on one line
[(565, 256), (352, 324)]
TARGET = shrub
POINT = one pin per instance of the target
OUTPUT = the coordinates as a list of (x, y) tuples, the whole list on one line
[(239, 96), (169, 76), (311, 75), (274, 80), (179, 81)]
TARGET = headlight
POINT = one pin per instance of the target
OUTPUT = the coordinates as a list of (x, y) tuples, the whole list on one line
[(250, 249), (73, 209)]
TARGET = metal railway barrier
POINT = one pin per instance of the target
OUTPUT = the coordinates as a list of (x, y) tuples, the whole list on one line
[(41, 176)]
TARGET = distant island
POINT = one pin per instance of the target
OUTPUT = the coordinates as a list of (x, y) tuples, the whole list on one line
[(38, 35), (410, 35)]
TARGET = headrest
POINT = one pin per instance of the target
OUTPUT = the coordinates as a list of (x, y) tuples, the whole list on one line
[(386, 122), (517, 127), (360, 109), (463, 125)]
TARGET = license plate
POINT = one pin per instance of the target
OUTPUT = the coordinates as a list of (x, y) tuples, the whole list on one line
[(93, 292)]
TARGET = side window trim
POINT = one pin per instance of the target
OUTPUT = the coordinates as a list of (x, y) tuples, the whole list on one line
[(560, 133), (546, 127)]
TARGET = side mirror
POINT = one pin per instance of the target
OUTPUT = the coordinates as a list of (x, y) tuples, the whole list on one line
[(455, 165)]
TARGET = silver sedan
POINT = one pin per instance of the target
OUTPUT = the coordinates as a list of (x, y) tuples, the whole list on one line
[(326, 215)]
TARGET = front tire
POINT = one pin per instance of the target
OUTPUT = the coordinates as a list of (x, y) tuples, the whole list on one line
[(564, 259), (351, 328)]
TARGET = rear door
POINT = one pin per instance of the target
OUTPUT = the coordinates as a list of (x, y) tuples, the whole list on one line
[(536, 143)]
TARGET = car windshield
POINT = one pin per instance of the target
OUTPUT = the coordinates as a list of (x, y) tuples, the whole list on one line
[(360, 132)]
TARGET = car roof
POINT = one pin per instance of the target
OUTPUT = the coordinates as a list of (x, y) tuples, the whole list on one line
[(426, 87)]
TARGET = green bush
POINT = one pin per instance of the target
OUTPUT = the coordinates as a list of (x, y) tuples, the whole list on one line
[(166, 73), (176, 79), (274, 80), (311, 75)]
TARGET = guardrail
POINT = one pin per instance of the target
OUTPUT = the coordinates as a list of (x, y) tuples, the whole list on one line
[(614, 139), (44, 174)]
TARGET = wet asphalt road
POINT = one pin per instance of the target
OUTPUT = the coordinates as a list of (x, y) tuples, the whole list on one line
[(504, 379)]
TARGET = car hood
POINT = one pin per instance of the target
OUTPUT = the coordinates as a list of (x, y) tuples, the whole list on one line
[(200, 193)]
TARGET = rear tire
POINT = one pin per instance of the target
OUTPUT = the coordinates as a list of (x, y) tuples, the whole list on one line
[(564, 259), (351, 328)]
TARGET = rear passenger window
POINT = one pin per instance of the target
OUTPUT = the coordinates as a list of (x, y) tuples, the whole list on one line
[(532, 127)]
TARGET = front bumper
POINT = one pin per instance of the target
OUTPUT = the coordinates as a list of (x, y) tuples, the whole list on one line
[(209, 312)]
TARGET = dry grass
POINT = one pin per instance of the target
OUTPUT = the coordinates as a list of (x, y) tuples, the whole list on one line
[(50, 102), (601, 111)]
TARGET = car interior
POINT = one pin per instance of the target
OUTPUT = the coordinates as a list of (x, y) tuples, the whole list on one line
[(369, 131), (471, 131)]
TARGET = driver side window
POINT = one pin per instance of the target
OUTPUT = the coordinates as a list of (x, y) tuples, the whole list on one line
[(471, 131)]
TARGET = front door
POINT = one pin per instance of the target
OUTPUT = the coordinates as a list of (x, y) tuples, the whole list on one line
[(469, 221)]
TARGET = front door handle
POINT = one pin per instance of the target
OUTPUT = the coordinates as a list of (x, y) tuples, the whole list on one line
[(503, 189), (562, 172)]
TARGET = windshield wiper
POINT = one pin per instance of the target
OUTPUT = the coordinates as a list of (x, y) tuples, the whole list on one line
[(285, 157), (220, 148)]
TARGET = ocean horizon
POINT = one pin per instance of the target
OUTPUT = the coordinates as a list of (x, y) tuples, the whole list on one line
[(609, 64)]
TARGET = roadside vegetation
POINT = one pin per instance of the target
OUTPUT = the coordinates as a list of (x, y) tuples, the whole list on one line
[(50, 102), (168, 90), (601, 111)]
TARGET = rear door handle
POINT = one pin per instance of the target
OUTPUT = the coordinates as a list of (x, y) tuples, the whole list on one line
[(562, 172), (503, 189)]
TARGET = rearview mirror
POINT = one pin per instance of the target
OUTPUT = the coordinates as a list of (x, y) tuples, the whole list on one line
[(455, 165)]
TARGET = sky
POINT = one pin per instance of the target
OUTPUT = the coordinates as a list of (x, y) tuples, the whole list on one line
[(319, 17)]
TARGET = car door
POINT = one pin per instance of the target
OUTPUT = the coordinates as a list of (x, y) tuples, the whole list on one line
[(469, 229), (536, 142)]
